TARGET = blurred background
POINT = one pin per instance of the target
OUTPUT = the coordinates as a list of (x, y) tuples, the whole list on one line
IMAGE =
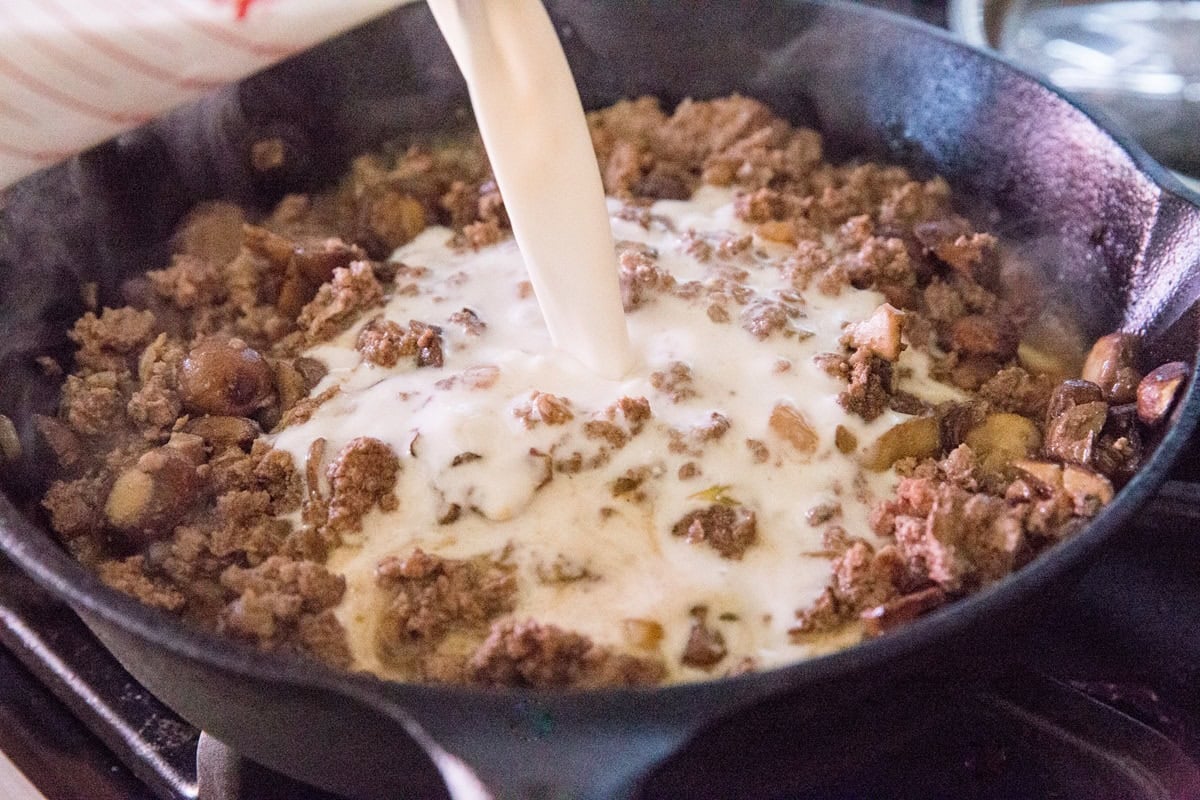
[(1138, 61)]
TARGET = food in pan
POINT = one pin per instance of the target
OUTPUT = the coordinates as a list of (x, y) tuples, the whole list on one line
[(339, 428)]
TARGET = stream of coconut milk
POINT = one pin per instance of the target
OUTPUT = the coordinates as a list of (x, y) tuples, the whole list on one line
[(533, 127)]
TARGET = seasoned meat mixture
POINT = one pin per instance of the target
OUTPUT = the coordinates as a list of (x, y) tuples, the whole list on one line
[(338, 429)]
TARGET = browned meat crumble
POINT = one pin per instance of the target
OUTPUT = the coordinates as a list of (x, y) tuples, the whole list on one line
[(531, 654), (432, 599), (728, 529), (167, 491)]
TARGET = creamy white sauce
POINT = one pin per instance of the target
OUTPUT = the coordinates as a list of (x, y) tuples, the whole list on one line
[(642, 571)]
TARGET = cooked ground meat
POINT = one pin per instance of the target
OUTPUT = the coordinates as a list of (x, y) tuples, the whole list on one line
[(338, 302), (94, 403), (480, 234), (705, 646), (277, 598), (427, 597), (1013, 389), (675, 382), (168, 491), (129, 576), (730, 530), (63, 443), (362, 476), (862, 578), (470, 321), (991, 335), (768, 317), (129, 393), (956, 538), (545, 408), (535, 655), (384, 342), (111, 342), (157, 401), (870, 385), (640, 278), (620, 422)]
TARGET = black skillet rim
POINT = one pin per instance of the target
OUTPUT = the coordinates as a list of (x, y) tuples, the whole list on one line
[(40, 556)]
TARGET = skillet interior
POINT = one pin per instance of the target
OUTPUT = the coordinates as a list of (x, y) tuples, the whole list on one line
[(1082, 206)]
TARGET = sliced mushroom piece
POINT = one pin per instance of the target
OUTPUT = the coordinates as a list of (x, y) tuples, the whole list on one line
[(1039, 361), (148, 498), (1110, 365), (1071, 436), (1157, 391), (267, 244), (316, 262), (914, 438), (956, 420), (225, 377), (779, 231), (789, 423), (311, 370), (1002, 439), (845, 440), (295, 378), (1071, 393), (1052, 344), (389, 218), (10, 443), (901, 610), (1118, 451)]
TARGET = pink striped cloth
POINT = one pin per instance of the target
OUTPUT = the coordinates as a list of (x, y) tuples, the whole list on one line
[(76, 72)]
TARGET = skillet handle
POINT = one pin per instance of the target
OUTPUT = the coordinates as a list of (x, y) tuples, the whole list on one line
[(531, 747)]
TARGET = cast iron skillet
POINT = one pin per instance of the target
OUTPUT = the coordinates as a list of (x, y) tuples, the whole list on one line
[(1117, 236)]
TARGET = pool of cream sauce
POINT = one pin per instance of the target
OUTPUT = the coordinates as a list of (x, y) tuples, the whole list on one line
[(637, 569)]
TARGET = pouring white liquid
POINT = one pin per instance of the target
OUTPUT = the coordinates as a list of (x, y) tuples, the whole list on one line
[(143, 59), (533, 127)]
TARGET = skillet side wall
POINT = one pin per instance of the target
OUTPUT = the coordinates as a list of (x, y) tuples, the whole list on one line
[(1068, 197), (597, 747)]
